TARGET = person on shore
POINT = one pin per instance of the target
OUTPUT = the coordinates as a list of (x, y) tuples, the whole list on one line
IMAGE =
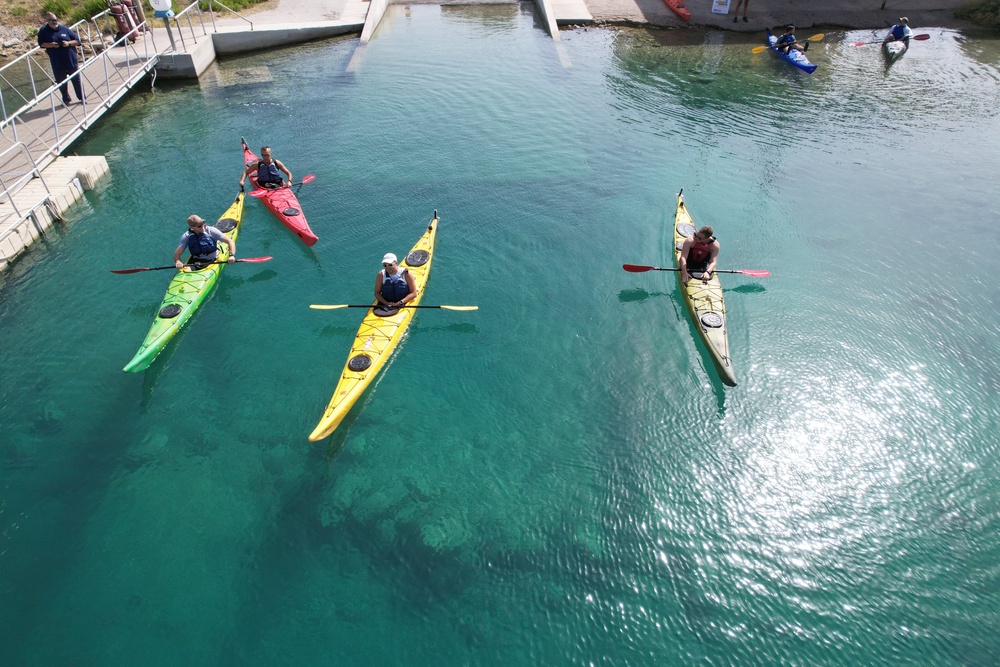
[(60, 43), (698, 255), (202, 241), (787, 42), (394, 286), (268, 171), (746, 6), (900, 32)]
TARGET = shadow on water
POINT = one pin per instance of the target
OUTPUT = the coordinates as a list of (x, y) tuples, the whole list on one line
[(262, 276), (638, 295), (752, 288), (458, 327)]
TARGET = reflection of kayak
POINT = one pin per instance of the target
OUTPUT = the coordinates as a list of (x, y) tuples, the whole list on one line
[(186, 292), (794, 56), (894, 49), (704, 300), (283, 203), (376, 339), (679, 8)]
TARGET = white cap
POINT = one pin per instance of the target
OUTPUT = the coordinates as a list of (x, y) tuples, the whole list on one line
[(389, 258)]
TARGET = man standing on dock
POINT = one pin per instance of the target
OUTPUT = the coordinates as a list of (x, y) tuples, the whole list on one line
[(60, 42)]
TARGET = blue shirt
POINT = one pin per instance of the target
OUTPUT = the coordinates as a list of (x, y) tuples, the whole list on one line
[(63, 57)]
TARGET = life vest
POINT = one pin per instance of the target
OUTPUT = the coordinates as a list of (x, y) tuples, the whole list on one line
[(394, 287), (785, 39), (699, 255), (899, 31), (268, 173), (202, 246)]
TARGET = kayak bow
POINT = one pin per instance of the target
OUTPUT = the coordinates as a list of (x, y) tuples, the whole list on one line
[(376, 339)]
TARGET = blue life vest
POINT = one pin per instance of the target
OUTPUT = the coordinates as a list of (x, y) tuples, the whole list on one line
[(202, 246), (785, 39), (394, 287), (899, 31), (268, 173)]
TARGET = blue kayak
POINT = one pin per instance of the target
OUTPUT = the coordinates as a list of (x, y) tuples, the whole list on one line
[(794, 56)]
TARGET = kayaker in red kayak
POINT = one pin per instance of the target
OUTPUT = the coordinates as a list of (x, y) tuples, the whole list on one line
[(699, 254), (268, 171), (394, 286), (787, 42), (203, 243)]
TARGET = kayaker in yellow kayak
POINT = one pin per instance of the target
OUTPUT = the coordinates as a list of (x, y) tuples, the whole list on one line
[(699, 255), (201, 241), (268, 171), (394, 286)]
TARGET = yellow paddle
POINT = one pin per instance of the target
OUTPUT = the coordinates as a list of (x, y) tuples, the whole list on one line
[(345, 305), (815, 38)]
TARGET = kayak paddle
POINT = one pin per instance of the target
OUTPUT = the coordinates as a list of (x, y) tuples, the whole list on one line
[(263, 191), (345, 305), (815, 38), (756, 273), (917, 38), (162, 268)]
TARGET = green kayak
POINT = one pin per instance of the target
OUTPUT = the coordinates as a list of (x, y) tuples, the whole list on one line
[(188, 290)]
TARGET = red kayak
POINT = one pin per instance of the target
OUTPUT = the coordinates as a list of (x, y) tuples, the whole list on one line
[(679, 8), (282, 202)]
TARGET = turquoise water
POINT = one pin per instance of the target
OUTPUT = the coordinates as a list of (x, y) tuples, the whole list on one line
[(558, 477)]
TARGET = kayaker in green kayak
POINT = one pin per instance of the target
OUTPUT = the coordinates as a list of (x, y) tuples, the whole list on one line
[(268, 171), (699, 255), (393, 286), (202, 241)]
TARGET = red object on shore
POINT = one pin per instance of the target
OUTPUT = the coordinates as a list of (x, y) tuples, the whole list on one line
[(123, 19), (283, 203), (678, 7)]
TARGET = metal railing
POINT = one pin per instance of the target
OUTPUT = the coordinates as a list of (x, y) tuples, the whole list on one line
[(42, 122), (17, 169), (193, 14)]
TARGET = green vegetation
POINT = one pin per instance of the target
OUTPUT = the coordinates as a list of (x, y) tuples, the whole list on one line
[(985, 13), (71, 11), (18, 11)]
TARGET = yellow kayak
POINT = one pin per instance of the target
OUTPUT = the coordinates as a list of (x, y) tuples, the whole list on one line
[(377, 338), (704, 300)]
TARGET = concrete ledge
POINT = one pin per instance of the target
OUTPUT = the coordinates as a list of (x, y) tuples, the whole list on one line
[(239, 41), (189, 65), (67, 179)]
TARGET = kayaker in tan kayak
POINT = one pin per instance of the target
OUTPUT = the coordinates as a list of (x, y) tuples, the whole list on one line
[(699, 255)]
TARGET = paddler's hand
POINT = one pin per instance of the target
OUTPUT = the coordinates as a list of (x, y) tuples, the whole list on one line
[(705, 277), (232, 258), (685, 277), (179, 264)]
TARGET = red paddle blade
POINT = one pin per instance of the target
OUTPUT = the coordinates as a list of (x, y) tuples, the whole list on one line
[(130, 270), (862, 43), (756, 273), (636, 268), (254, 259), (309, 178), (921, 38)]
